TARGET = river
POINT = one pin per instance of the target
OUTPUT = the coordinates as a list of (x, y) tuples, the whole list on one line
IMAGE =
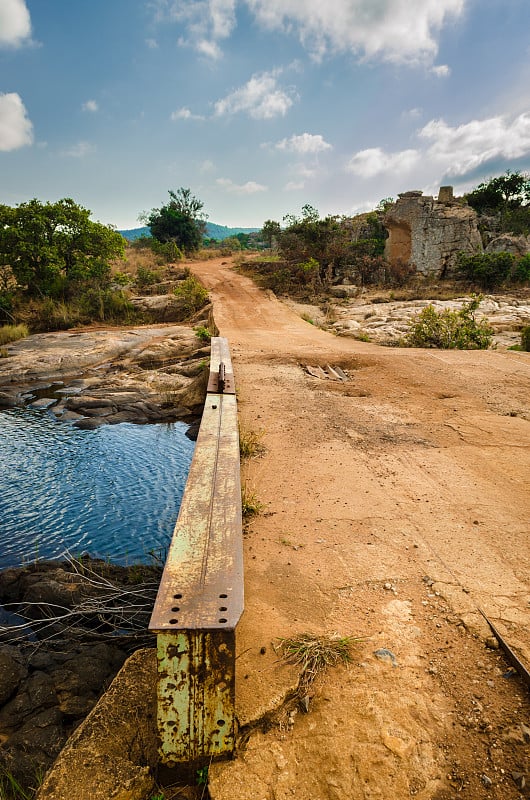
[(113, 492)]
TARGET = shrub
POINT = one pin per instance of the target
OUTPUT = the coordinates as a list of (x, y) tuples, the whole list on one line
[(11, 333), (521, 271), (486, 270), (450, 329), (192, 294), (525, 339), (203, 334), (146, 277)]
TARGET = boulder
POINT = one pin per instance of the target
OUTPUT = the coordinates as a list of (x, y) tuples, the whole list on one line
[(508, 243)]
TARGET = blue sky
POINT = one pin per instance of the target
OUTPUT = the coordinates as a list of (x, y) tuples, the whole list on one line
[(259, 106)]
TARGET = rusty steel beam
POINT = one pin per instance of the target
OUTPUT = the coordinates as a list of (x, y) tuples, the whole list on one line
[(200, 598), (221, 371)]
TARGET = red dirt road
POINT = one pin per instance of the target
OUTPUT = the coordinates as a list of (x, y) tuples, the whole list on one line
[(396, 505)]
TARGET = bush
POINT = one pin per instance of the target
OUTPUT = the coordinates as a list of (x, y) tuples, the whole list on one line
[(521, 271), (146, 277), (450, 330), (11, 333), (525, 339), (192, 294), (486, 270)]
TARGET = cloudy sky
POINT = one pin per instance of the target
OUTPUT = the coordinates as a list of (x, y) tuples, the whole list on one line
[(259, 106)]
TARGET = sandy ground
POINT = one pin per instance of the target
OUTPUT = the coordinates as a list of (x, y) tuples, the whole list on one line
[(396, 505)]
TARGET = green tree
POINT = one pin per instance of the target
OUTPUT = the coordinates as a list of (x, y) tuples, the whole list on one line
[(270, 232), (181, 221), (50, 247), (508, 191)]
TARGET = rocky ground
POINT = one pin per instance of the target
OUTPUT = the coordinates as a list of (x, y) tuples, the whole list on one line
[(374, 316), (65, 631), (105, 376)]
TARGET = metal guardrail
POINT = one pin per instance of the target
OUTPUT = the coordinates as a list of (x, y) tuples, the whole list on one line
[(200, 598)]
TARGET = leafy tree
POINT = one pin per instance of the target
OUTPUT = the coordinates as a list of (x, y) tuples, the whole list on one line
[(181, 221), (51, 247), (508, 191), (270, 232)]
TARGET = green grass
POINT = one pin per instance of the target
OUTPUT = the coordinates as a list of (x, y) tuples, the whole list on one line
[(251, 506)]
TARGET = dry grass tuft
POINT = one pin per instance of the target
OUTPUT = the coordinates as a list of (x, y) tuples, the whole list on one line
[(250, 444), (315, 653)]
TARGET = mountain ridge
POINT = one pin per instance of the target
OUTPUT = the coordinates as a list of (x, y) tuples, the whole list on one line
[(213, 231)]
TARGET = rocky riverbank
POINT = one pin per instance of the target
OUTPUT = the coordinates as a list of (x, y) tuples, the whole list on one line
[(103, 377), (65, 631)]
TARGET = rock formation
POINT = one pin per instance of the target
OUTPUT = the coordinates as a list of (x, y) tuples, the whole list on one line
[(428, 234)]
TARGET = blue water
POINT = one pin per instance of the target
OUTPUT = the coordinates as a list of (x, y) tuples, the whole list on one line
[(113, 492)]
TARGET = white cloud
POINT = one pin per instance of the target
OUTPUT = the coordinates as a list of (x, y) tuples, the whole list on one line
[(402, 31), (467, 146), (250, 187), (184, 113), (209, 49), (90, 105), (441, 71), (304, 144), (392, 30), (294, 186), (152, 44), (374, 161), (15, 23), (206, 166), (80, 150), (260, 98), (16, 129), (208, 22)]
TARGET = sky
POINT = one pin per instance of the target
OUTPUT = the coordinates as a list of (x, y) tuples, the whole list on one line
[(258, 106)]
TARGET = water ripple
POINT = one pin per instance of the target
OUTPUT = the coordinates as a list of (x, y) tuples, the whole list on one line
[(113, 492)]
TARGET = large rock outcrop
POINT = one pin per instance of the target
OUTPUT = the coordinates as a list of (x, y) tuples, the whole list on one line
[(428, 234)]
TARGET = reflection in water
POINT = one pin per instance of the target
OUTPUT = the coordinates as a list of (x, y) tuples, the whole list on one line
[(113, 492)]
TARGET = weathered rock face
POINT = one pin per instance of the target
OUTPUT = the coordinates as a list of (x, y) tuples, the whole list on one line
[(428, 234), (508, 243)]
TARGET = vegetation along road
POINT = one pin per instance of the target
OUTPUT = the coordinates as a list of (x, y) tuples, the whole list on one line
[(395, 506)]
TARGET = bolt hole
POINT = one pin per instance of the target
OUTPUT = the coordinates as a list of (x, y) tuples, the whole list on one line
[(214, 406), (175, 608), (223, 595), (222, 608), (223, 620), (173, 621), (177, 596), (220, 722)]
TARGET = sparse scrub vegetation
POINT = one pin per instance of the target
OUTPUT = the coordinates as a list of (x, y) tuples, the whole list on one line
[(192, 294), (448, 329), (251, 506), (250, 443), (11, 333)]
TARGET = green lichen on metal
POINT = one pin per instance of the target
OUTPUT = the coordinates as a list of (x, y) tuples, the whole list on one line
[(196, 694)]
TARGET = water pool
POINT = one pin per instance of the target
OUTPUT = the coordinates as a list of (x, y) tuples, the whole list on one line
[(113, 492)]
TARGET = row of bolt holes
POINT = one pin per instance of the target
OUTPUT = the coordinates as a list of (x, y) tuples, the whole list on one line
[(177, 608)]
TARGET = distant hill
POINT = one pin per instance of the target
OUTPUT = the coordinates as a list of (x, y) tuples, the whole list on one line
[(213, 231)]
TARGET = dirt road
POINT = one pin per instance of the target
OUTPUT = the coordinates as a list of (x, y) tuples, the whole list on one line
[(396, 505)]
